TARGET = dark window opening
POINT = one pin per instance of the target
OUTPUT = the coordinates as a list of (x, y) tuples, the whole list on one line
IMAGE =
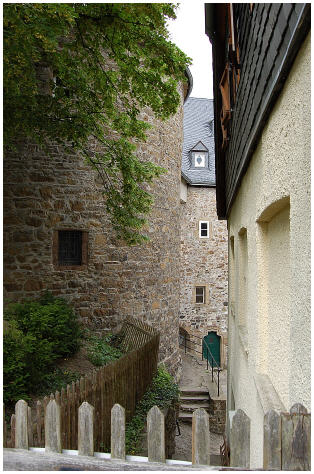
[(69, 247), (204, 230)]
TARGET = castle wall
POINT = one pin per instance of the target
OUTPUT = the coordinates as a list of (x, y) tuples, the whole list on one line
[(45, 194), (204, 262)]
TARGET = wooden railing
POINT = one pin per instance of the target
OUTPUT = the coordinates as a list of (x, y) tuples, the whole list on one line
[(124, 381)]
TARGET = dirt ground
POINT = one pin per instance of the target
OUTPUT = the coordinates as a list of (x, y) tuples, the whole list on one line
[(193, 376), (77, 363)]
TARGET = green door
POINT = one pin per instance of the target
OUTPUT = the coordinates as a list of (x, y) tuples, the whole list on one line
[(212, 341)]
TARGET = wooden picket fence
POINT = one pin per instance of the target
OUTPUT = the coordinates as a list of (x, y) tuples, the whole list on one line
[(287, 440), (156, 445), (287, 443), (124, 381)]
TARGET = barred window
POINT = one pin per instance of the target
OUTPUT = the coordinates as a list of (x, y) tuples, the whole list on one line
[(70, 248)]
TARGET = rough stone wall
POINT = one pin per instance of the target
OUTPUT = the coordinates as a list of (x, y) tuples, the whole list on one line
[(204, 262), (42, 195), (217, 416)]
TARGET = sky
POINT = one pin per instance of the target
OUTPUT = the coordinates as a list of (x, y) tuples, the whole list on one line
[(188, 32)]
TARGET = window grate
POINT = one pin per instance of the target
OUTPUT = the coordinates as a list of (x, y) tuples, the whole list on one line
[(70, 247)]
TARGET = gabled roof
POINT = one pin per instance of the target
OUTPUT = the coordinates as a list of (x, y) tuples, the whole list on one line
[(199, 147), (198, 134)]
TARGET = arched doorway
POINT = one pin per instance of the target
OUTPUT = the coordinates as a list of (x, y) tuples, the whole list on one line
[(212, 341), (185, 340)]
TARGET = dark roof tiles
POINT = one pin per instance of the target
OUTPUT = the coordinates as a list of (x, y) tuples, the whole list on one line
[(198, 126)]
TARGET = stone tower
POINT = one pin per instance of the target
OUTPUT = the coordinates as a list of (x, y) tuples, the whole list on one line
[(50, 200)]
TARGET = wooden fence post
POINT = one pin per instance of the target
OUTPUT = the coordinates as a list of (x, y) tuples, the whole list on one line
[(200, 437), (296, 439), (156, 435), (117, 432), (5, 430), (86, 430), (53, 428), (13, 424), (39, 423), (30, 427), (272, 441), (21, 425), (240, 440)]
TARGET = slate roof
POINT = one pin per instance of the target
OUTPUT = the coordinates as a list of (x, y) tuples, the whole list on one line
[(198, 126)]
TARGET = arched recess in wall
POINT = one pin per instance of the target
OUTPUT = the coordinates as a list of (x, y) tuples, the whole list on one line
[(185, 340), (273, 311)]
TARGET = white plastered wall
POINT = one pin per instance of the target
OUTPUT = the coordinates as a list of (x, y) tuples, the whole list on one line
[(273, 207)]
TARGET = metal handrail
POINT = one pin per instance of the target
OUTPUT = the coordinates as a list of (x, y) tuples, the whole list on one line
[(208, 352)]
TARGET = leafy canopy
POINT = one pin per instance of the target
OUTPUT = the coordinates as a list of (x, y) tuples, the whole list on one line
[(106, 62)]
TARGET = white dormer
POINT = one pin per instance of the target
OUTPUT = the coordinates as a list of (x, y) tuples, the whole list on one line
[(199, 156)]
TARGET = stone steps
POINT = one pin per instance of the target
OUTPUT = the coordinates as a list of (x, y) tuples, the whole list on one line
[(190, 400), (194, 398)]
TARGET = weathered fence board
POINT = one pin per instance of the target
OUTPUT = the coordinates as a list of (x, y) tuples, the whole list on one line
[(30, 433), (272, 441), (156, 435), (200, 437), (86, 430), (240, 440), (53, 428), (21, 426), (13, 424), (296, 439), (5, 430), (118, 432)]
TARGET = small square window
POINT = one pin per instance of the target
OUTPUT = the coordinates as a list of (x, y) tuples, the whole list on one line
[(70, 248), (200, 294), (204, 229)]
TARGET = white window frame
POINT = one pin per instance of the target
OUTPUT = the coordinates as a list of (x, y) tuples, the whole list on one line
[(200, 228), (204, 295)]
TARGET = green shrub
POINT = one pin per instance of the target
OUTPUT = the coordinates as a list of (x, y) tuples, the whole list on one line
[(50, 319), (56, 380), (162, 392), (36, 334), (101, 352), (16, 347)]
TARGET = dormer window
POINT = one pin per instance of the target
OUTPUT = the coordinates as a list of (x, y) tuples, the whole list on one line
[(199, 156)]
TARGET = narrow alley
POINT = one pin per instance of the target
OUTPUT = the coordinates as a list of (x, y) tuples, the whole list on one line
[(195, 378)]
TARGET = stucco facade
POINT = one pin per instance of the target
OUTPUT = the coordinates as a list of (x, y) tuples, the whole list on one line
[(269, 264), (45, 195), (204, 263)]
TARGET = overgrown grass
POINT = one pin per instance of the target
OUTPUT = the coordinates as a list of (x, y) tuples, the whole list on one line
[(162, 392), (56, 380)]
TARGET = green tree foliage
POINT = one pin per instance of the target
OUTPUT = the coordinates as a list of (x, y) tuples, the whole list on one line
[(163, 392), (36, 333), (107, 61)]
